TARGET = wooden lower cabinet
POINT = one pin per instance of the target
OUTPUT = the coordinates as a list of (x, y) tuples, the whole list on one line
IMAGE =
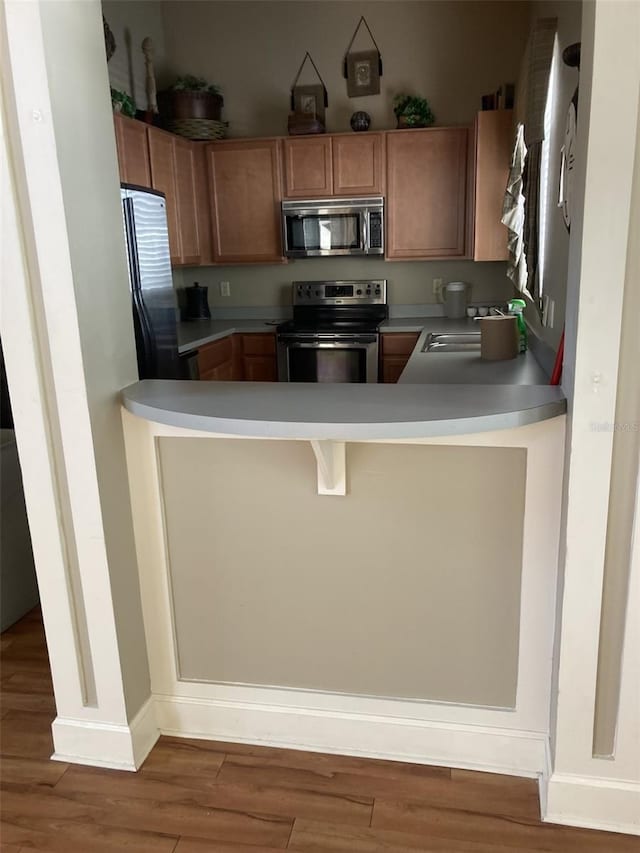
[(395, 349), (259, 357), (216, 361), (248, 357)]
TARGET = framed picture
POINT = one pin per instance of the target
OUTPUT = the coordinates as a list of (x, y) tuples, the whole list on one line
[(309, 101), (363, 73)]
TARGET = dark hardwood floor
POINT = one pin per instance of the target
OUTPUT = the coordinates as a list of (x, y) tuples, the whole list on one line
[(194, 796)]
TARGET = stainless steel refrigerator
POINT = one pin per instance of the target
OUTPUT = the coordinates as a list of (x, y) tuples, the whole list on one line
[(152, 294)]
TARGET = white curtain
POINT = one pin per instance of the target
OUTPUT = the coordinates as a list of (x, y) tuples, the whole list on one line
[(521, 203)]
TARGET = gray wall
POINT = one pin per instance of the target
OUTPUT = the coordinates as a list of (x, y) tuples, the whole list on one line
[(408, 586), (410, 283), (449, 52), (131, 22)]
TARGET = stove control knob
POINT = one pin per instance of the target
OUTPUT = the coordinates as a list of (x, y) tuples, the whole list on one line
[(317, 293), (359, 292)]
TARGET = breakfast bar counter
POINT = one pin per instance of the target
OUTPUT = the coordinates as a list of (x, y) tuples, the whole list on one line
[(341, 412), (415, 525)]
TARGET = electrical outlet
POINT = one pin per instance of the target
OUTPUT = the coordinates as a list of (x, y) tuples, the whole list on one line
[(225, 288), (437, 286)]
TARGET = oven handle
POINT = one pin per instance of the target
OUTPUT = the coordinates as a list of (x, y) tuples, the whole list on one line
[(330, 345)]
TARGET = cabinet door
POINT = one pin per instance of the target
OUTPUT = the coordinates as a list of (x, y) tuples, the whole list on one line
[(308, 168), (163, 179), (203, 204), (259, 357), (392, 367), (259, 343), (426, 193), (494, 144), (215, 360), (186, 201), (246, 194), (133, 151), (260, 368), (395, 350), (357, 164)]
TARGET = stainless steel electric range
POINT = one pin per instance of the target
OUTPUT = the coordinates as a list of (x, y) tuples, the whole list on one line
[(333, 336)]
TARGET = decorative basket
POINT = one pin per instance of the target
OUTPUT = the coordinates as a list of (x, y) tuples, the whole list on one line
[(197, 128), (301, 124)]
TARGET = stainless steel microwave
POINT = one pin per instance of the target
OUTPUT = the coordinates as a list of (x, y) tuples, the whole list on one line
[(328, 227)]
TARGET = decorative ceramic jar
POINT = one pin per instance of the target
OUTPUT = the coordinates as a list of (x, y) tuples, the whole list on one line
[(360, 120)]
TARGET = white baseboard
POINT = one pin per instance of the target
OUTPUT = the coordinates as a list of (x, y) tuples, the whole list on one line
[(606, 804), (104, 744), (319, 730)]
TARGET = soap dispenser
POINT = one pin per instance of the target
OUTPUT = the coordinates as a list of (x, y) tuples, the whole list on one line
[(516, 307)]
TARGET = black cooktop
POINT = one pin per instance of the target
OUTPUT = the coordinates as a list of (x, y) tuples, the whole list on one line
[(335, 327), (331, 318)]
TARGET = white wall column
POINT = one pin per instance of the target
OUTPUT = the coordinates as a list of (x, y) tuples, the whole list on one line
[(68, 344), (597, 690)]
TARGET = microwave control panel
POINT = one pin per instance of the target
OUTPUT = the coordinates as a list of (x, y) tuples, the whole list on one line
[(375, 230)]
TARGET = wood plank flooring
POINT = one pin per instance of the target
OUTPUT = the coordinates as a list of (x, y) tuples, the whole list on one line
[(194, 796)]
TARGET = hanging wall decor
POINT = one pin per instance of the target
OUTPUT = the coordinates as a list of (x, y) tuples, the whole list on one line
[(362, 69), (308, 103), (571, 57)]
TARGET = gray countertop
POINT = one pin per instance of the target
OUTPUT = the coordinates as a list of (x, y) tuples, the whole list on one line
[(438, 394), (340, 411), (467, 368), (197, 333)]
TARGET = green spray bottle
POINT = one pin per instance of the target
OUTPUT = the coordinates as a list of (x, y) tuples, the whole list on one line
[(517, 306)]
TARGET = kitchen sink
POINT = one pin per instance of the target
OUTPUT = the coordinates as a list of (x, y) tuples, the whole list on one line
[(450, 342)]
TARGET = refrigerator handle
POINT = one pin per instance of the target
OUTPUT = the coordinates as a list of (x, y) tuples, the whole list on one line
[(141, 324)]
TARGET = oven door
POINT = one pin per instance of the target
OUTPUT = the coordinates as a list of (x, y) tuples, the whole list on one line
[(328, 358)]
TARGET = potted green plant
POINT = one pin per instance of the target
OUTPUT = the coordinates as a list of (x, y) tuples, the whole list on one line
[(122, 103), (412, 111)]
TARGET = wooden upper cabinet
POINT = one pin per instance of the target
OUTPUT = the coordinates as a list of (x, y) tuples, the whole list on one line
[(308, 167), (186, 200), (133, 151), (426, 193), (358, 164), (494, 144), (163, 177), (203, 206), (245, 197)]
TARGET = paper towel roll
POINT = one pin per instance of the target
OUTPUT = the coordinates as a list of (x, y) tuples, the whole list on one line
[(499, 338)]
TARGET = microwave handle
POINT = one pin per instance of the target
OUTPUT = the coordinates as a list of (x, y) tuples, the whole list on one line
[(364, 230)]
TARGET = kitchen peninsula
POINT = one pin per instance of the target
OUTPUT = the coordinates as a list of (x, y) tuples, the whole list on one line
[(365, 569)]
